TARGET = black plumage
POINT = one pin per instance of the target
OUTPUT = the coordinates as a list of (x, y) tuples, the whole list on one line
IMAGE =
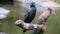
[(30, 14)]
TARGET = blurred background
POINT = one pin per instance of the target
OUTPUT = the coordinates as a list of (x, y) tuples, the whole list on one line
[(12, 10)]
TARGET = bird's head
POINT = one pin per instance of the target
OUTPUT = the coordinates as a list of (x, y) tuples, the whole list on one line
[(32, 4)]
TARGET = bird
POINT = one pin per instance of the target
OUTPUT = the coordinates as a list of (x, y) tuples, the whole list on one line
[(30, 14)]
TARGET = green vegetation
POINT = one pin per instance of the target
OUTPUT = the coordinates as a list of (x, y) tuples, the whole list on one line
[(53, 24), (8, 24), (58, 1)]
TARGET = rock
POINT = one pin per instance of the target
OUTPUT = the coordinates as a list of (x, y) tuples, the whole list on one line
[(2, 16), (4, 12)]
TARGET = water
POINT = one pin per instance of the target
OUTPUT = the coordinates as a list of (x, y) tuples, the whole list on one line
[(40, 4)]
